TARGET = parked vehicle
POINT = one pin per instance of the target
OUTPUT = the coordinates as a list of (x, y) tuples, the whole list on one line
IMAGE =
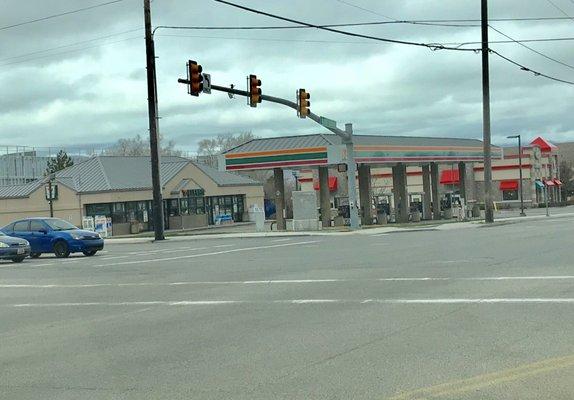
[(13, 248), (54, 235)]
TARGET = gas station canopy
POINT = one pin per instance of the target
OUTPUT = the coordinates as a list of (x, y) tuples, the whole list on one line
[(327, 149)]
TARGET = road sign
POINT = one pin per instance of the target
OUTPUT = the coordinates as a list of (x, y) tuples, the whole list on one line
[(206, 83), (328, 123)]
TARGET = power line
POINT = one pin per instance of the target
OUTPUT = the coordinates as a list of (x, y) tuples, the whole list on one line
[(531, 49), (559, 9), (269, 39), (69, 45), (432, 22), (561, 39), (59, 15), (365, 9), (395, 41), (525, 68), (69, 51)]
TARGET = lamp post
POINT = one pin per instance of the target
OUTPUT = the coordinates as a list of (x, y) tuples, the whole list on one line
[(522, 214)]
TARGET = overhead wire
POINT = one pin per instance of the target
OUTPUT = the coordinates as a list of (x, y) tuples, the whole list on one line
[(70, 51), (560, 9), (521, 66), (527, 69), (432, 46), (531, 49), (59, 15), (70, 45)]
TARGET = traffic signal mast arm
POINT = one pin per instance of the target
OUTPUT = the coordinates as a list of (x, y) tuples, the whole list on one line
[(277, 100)]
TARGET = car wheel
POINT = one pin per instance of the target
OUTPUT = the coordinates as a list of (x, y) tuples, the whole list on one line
[(89, 253), (18, 259), (35, 255), (61, 249)]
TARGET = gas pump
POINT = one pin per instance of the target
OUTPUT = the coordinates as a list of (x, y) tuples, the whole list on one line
[(416, 206), (452, 205), (383, 205)]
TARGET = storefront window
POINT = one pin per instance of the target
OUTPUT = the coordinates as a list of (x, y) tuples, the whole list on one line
[(510, 194), (184, 207)]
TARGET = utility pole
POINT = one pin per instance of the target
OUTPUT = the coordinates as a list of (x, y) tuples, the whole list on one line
[(488, 208), (153, 125), (351, 172)]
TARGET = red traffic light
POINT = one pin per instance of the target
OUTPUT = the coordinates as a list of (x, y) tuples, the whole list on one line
[(254, 90), (303, 103), (195, 78)]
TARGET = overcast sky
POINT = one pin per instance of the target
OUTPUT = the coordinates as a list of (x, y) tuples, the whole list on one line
[(56, 92)]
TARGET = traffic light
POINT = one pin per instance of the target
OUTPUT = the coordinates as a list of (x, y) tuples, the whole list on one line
[(195, 78), (303, 103), (254, 90)]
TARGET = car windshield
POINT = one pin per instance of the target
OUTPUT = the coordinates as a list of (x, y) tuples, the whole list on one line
[(60, 225)]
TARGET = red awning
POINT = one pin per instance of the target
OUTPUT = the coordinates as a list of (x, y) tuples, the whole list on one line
[(449, 177), (549, 183), (558, 182), (332, 184), (510, 184)]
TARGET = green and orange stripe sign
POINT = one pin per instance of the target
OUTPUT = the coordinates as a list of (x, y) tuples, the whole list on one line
[(276, 158)]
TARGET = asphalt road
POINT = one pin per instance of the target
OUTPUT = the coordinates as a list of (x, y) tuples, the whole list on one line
[(474, 313)]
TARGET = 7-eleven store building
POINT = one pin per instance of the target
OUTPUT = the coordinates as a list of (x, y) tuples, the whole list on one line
[(539, 169)]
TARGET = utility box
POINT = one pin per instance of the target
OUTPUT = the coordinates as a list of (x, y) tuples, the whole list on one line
[(305, 215), (257, 214)]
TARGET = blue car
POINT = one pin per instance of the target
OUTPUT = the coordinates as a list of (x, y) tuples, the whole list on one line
[(12, 248), (54, 235)]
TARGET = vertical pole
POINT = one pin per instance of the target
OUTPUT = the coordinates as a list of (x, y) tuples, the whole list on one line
[(558, 177), (435, 196), (546, 198), (488, 207), (324, 197), (365, 194), (50, 197), (427, 192), (520, 176), (158, 221), (351, 175), (462, 179), (279, 199)]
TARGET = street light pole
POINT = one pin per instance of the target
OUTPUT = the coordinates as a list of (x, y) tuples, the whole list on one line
[(522, 214)]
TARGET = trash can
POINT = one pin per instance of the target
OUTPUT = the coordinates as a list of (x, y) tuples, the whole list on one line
[(382, 218)]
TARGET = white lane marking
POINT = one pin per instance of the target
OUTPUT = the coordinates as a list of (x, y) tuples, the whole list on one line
[(295, 281), (213, 253), (112, 258), (25, 264), (223, 245), (548, 300), (278, 281), (130, 303), (169, 250), (453, 261), (280, 240)]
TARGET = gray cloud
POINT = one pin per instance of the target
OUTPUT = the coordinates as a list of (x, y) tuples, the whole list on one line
[(95, 92)]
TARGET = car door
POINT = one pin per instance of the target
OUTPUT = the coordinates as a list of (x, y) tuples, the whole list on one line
[(39, 237), (21, 229)]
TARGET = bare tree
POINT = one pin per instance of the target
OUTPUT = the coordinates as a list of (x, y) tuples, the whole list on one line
[(209, 148), (137, 146)]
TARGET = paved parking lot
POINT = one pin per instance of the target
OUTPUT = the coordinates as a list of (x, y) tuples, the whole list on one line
[(460, 314)]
